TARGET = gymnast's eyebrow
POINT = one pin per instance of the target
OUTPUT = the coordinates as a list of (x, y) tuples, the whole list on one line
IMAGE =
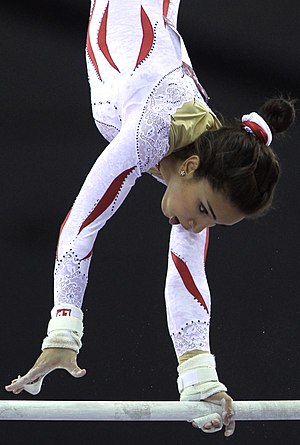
[(211, 211)]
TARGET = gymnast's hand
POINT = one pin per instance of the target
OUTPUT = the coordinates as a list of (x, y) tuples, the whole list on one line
[(49, 360), (227, 417), (198, 380)]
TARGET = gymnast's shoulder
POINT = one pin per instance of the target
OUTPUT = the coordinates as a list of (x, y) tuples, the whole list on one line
[(189, 122)]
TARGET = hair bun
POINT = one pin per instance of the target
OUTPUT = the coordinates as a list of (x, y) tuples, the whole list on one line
[(279, 113)]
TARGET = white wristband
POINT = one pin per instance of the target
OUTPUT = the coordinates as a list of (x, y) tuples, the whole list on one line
[(63, 339), (69, 323), (198, 369), (65, 328), (66, 310), (198, 378)]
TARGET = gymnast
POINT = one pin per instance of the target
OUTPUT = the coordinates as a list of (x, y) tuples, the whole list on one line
[(149, 105)]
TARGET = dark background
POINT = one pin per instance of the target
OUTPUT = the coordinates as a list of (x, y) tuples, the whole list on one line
[(242, 52)]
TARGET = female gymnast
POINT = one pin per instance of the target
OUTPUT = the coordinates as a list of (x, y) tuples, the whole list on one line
[(149, 105)]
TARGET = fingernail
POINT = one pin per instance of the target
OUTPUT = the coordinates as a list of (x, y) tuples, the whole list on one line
[(228, 432)]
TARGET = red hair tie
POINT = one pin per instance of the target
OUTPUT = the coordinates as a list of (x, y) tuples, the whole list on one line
[(253, 123), (257, 131)]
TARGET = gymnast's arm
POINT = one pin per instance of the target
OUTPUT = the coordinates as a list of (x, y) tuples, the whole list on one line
[(102, 193), (188, 305)]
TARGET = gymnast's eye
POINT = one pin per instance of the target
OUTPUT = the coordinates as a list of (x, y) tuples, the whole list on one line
[(203, 209)]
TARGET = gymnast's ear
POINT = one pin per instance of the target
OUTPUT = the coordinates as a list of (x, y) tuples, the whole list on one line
[(190, 164)]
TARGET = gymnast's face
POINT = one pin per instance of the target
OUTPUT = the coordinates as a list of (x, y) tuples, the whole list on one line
[(192, 202)]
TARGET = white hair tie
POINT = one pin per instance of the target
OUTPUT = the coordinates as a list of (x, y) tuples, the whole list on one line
[(253, 123)]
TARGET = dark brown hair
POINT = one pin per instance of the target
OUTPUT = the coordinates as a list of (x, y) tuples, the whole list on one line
[(237, 164)]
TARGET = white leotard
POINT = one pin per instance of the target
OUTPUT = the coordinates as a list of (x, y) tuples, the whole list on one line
[(138, 81)]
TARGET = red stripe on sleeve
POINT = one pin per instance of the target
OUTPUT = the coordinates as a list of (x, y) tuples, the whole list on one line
[(107, 198), (188, 280)]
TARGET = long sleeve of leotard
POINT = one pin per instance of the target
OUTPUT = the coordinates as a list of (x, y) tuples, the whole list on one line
[(187, 293), (103, 191)]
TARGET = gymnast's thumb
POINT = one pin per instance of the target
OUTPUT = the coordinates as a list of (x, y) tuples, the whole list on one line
[(77, 372)]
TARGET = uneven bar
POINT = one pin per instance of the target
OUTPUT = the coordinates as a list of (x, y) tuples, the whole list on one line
[(143, 411)]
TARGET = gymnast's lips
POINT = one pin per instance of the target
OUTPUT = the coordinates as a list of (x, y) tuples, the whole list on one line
[(174, 220)]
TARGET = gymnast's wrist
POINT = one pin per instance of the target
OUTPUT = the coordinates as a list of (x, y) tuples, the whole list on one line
[(65, 328), (198, 378)]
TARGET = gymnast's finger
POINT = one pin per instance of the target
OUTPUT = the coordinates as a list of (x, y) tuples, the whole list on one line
[(17, 385), (228, 418)]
